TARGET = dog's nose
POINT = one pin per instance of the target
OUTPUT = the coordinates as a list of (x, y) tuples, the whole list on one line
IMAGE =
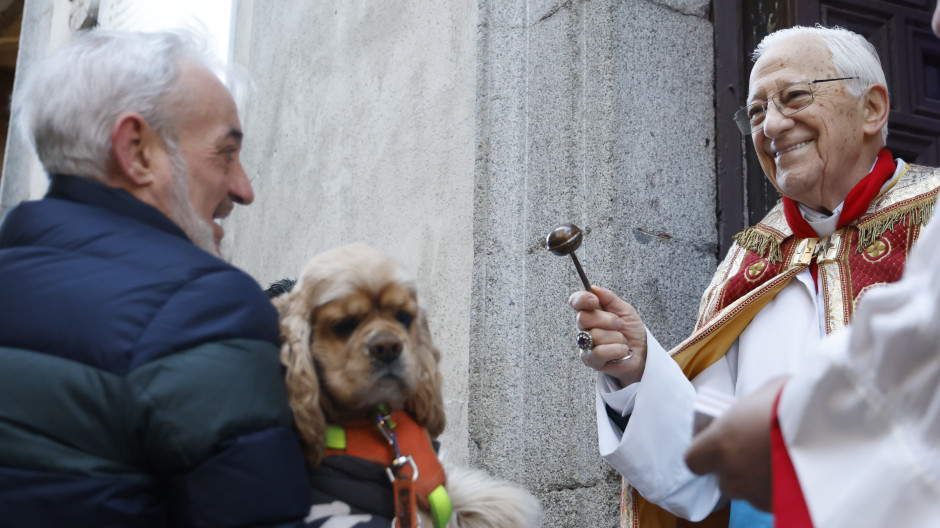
[(385, 346)]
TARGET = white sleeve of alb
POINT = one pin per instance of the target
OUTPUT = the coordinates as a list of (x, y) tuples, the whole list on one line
[(650, 451)]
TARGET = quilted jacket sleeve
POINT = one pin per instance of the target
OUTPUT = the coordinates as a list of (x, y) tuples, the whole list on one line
[(213, 412)]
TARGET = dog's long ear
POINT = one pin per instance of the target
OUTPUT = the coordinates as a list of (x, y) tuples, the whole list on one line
[(303, 388), (427, 405)]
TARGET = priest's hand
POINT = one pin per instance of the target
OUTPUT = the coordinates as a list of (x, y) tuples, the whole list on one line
[(736, 447), (617, 332)]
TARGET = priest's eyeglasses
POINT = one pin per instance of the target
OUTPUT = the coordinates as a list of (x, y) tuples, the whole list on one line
[(790, 100)]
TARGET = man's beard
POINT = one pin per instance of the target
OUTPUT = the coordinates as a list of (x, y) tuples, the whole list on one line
[(182, 211)]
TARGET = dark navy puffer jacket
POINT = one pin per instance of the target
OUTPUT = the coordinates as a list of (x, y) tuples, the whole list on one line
[(139, 377)]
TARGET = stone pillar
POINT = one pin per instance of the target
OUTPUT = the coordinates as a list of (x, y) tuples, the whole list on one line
[(598, 113)]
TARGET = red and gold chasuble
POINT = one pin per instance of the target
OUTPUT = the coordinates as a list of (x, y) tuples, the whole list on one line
[(867, 252)]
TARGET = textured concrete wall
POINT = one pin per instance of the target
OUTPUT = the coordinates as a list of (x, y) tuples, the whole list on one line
[(361, 128), (598, 113)]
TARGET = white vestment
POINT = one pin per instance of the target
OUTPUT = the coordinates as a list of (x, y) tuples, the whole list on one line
[(862, 418), (649, 452)]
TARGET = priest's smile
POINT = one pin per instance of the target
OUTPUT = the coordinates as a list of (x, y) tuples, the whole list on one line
[(791, 148)]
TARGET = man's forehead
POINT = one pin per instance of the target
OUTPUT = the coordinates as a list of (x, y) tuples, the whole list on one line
[(210, 104), (792, 60)]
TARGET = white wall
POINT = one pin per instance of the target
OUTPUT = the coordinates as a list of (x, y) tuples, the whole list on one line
[(361, 128)]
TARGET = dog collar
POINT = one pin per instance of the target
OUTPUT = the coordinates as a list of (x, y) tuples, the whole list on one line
[(368, 441)]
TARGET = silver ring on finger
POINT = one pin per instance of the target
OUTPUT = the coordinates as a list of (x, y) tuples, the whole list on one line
[(630, 354)]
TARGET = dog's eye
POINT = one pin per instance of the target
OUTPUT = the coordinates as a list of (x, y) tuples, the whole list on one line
[(404, 318), (345, 327)]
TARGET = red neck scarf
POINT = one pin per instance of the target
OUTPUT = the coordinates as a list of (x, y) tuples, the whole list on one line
[(856, 203)]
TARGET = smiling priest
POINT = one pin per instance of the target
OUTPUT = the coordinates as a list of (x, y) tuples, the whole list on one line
[(817, 112)]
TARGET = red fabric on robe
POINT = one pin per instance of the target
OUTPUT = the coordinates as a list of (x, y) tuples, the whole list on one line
[(789, 506)]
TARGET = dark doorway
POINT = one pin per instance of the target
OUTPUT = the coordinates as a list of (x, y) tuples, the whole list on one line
[(910, 54)]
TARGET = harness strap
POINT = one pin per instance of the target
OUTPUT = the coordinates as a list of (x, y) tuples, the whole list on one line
[(364, 440), (406, 513)]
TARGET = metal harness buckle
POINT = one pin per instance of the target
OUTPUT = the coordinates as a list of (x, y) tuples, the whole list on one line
[(398, 464)]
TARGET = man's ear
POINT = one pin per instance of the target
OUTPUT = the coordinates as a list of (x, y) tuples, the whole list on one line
[(132, 144), (877, 105)]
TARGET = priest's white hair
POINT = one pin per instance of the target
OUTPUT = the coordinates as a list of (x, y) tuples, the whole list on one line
[(852, 55)]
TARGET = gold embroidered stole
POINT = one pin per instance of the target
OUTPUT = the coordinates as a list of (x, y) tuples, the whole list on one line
[(764, 258)]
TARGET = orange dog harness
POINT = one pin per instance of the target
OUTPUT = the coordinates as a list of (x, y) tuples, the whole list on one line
[(404, 448)]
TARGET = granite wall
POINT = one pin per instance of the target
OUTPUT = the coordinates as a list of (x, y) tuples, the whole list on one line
[(598, 113)]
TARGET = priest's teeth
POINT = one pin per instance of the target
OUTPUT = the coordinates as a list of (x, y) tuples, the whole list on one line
[(794, 147)]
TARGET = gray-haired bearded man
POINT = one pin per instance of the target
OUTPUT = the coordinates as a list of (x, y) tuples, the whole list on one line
[(140, 383)]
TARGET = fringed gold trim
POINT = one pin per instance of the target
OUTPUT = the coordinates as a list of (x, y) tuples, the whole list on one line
[(760, 242), (916, 213)]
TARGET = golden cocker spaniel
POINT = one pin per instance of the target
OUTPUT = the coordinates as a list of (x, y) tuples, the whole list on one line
[(354, 338)]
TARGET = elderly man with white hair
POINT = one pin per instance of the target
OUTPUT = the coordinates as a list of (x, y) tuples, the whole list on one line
[(140, 383), (853, 439), (817, 113)]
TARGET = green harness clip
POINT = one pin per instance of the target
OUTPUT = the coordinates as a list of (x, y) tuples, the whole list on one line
[(441, 508), (335, 437)]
